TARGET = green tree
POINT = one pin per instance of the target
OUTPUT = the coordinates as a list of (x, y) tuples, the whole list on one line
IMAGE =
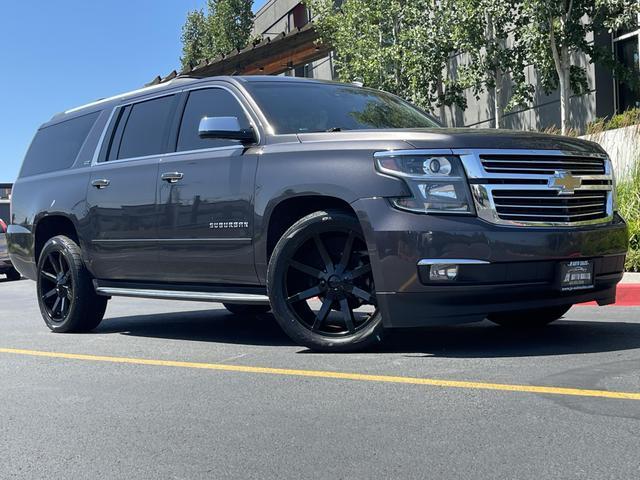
[(487, 31), (556, 30), (230, 23), (195, 41), (401, 46), (225, 27)]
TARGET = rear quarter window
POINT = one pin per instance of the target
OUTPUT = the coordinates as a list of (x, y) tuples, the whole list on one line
[(56, 147)]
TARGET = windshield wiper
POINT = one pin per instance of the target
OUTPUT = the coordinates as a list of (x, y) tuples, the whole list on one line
[(335, 129)]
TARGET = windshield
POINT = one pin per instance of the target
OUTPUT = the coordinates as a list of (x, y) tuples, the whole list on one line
[(299, 107)]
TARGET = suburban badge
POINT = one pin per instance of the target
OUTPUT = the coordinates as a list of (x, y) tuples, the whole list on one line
[(226, 225)]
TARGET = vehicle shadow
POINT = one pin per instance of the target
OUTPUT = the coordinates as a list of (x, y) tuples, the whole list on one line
[(479, 340), (215, 326), (486, 340)]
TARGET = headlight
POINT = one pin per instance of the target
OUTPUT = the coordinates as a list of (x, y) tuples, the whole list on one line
[(437, 182)]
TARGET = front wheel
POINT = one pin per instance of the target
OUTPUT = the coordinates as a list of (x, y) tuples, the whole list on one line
[(321, 286), (529, 318), (68, 302)]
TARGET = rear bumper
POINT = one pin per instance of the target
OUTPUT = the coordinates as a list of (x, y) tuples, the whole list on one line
[(520, 272), (21, 250)]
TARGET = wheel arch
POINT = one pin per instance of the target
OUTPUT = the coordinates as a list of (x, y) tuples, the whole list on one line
[(50, 226), (285, 213)]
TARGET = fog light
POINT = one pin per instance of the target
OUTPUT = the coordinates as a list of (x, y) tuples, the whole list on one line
[(443, 272)]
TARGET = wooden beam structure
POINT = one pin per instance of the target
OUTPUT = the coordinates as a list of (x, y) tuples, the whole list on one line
[(268, 57)]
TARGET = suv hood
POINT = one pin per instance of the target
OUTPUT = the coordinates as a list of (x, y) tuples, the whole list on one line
[(461, 138)]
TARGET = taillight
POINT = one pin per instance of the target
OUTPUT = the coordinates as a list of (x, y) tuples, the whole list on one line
[(3, 226)]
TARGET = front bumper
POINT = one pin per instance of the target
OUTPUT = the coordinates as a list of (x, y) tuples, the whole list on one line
[(520, 274)]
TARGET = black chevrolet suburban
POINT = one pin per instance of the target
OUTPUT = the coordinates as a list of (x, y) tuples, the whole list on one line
[(343, 210)]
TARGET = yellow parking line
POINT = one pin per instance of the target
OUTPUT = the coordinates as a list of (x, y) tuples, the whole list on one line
[(579, 392)]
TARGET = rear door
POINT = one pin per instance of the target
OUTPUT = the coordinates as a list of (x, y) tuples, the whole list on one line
[(121, 196), (205, 196)]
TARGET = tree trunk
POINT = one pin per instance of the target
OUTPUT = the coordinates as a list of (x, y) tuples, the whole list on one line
[(565, 96), (561, 61), (498, 110), (440, 100), (497, 101)]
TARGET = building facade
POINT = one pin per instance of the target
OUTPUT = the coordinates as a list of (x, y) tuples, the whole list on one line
[(605, 97), (285, 16)]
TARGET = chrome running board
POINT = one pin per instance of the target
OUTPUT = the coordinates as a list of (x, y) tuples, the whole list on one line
[(240, 298)]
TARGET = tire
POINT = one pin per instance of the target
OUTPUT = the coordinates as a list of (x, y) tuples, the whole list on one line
[(310, 268), (529, 318), (239, 309), (66, 296), (13, 275)]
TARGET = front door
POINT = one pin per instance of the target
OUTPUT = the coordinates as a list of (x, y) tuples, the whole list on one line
[(122, 195), (205, 198)]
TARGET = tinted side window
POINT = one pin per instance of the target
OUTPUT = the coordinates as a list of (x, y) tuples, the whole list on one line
[(56, 147), (145, 132), (209, 102)]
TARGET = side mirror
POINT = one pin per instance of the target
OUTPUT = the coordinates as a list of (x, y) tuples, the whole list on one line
[(225, 128)]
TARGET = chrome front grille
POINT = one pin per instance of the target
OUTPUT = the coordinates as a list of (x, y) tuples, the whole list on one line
[(540, 187), (548, 206), (542, 164)]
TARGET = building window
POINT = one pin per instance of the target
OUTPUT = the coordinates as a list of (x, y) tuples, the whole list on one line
[(5, 193), (626, 46), (298, 17)]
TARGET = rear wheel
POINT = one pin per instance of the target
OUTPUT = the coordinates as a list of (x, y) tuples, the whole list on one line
[(246, 309), (68, 302), (321, 285), (529, 318), (13, 274)]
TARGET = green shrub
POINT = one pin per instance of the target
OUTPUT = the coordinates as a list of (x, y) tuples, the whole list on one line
[(624, 119), (629, 207)]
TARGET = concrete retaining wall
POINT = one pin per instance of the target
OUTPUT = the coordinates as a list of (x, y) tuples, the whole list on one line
[(622, 145)]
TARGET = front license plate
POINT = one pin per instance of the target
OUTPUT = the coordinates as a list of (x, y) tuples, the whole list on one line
[(576, 275)]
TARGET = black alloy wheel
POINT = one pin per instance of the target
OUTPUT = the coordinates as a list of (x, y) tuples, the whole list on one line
[(66, 296), (321, 284), (56, 286)]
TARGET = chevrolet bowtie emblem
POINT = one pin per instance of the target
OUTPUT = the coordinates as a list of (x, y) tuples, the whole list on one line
[(564, 182)]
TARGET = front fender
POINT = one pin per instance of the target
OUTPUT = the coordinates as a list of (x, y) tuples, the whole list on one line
[(342, 174)]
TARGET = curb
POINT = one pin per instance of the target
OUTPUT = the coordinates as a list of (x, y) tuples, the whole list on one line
[(627, 295)]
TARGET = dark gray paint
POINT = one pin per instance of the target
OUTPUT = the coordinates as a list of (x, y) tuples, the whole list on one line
[(141, 228)]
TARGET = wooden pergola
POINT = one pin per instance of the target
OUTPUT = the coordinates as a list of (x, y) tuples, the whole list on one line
[(268, 57)]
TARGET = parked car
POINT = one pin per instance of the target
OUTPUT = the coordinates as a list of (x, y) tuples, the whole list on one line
[(6, 267), (344, 210)]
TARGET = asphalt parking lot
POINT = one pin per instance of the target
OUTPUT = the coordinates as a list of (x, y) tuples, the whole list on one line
[(187, 390)]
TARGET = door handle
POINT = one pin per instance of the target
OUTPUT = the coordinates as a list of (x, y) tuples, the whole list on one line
[(101, 183), (172, 177)]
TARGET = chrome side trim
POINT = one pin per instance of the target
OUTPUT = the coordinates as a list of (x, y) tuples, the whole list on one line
[(160, 156), (173, 240), (96, 152), (241, 298), (448, 261)]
